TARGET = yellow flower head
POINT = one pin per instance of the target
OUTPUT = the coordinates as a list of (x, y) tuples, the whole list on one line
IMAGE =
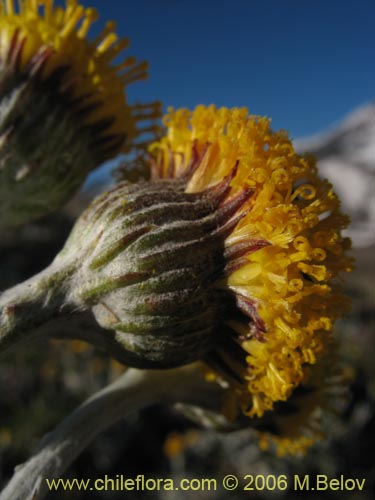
[(39, 38), (63, 109), (283, 256)]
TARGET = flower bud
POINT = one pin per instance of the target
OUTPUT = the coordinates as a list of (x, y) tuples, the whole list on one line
[(63, 110)]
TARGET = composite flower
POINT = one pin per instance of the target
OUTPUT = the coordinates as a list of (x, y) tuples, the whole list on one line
[(284, 257), (232, 253), (63, 105)]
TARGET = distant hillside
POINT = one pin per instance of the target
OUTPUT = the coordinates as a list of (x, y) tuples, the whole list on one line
[(346, 154)]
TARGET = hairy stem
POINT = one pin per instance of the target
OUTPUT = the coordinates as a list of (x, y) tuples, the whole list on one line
[(27, 306), (134, 390)]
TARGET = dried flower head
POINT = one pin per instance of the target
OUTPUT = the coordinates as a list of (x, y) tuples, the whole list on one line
[(63, 110)]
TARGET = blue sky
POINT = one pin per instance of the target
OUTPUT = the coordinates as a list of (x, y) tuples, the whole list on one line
[(303, 63)]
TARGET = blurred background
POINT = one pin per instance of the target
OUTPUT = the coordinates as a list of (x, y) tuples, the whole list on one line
[(309, 66)]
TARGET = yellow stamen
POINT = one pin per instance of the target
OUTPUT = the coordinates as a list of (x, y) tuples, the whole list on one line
[(91, 17), (9, 5), (72, 21), (108, 41)]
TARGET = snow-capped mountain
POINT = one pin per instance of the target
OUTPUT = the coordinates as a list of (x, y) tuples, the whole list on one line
[(346, 154)]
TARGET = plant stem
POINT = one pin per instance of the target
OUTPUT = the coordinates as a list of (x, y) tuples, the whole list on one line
[(134, 390), (27, 306)]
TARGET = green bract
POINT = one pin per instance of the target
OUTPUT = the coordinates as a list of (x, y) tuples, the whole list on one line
[(144, 258)]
